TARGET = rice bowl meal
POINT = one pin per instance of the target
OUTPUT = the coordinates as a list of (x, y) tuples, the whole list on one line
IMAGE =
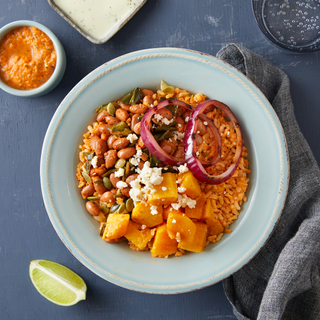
[(166, 170)]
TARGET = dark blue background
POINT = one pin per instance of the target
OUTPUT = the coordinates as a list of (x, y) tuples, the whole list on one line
[(25, 230)]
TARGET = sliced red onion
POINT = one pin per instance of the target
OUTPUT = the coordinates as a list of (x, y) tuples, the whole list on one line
[(194, 164), (150, 141)]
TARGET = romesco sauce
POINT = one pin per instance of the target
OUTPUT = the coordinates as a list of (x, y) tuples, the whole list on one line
[(27, 58)]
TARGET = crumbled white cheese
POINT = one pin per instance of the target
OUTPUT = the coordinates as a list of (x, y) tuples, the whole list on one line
[(121, 185), (198, 131), (174, 221), (145, 182), (205, 123), (186, 119), (143, 227), (132, 137), (184, 201), (178, 135), (154, 210), (94, 161), (164, 120), (164, 188), (181, 189), (183, 168), (135, 160), (197, 153), (119, 172)]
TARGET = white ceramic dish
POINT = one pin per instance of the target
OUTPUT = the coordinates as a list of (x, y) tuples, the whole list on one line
[(196, 72), (60, 65), (92, 15)]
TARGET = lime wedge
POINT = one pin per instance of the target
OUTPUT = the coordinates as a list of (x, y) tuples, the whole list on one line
[(57, 283)]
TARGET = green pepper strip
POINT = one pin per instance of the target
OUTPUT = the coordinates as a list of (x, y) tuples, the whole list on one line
[(136, 96)]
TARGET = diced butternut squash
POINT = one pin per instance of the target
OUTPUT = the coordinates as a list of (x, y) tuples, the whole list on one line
[(139, 237), (116, 227), (162, 245), (190, 183), (166, 192), (180, 227), (169, 209), (141, 213), (215, 226), (199, 241), (196, 213), (207, 212)]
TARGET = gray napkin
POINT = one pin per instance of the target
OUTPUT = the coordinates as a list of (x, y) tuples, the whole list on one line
[(282, 281)]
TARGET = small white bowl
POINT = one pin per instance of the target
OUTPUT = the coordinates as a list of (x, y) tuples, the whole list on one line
[(60, 64)]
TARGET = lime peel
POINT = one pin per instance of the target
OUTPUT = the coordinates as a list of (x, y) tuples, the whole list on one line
[(64, 290)]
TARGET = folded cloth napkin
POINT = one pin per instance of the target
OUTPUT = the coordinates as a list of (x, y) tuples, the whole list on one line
[(282, 281)]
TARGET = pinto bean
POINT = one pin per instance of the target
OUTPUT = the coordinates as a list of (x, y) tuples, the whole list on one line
[(87, 191), (125, 191), (114, 240), (140, 165), (100, 148), (113, 179), (139, 108), (102, 115), (198, 139), (141, 143), (93, 141), (122, 114), (92, 208), (201, 128), (108, 197), (120, 143), (147, 100), (126, 153), (147, 92), (131, 178), (165, 113), (102, 128), (125, 106), (110, 158), (186, 114), (137, 127), (168, 146), (111, 120), (98, 185), (180, 124), (97, 171), (134, 120), (179, 153), (110, 141)]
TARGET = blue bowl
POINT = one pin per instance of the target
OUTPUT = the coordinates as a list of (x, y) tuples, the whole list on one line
[(60, 65)]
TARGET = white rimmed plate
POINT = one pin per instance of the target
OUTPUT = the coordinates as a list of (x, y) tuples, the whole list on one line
[(196, 72)]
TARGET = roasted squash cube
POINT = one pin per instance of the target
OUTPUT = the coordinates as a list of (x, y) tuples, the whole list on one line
[(199, 241), (137, 236), (166, 192), (116, 227), (142, 213), (215, 226), (190, 183), (180, 227), (169, 209), (162, 245), (196, 212), (207, 212)]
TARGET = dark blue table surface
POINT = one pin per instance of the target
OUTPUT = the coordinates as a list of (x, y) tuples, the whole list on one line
[(26, 232)]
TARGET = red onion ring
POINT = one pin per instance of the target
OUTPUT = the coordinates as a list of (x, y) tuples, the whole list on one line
[(151, 142), (194, 164)]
